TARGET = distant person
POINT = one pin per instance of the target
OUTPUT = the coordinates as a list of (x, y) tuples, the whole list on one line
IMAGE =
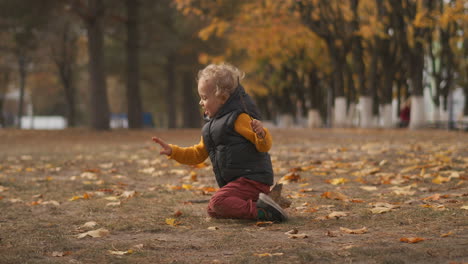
[(405, 113), (237, 144)]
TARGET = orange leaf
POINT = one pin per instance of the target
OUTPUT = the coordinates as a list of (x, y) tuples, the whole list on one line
[(177, 213), (334, 196), (411, 240), (290, 177), (434, 197)]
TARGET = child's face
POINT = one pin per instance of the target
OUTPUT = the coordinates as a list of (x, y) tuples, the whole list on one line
[(208, 100)]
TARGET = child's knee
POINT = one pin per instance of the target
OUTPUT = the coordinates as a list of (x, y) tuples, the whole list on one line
[(217, 206)]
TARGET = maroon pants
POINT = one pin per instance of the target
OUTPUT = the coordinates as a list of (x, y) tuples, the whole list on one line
[(237, 199)]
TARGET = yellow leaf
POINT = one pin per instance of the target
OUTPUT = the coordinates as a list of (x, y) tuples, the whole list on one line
[(193, 176), (172, 222), (187, 186), (337, 181), (439, 179), (121, 253)]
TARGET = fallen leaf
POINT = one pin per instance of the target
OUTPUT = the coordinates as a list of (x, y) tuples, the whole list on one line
[(337, 181), (138, 247), (403, 190), (334, 196), (296, 236), (465, 207), (411, 240), (89, 224), (128, 194), (51, 202), (187, 186), (434, 197), (354, 231), (336, 215), (121, 253), (193, 176), (290, 177), (177, 213), (172, 222), (213, 228), (447, 234), (369, 188), (60, 253), (111, 198), (380, 208), (114, 204), (95, 233), (89, 175), (292, 232), (261, 255), (439, 179), (85, 196), (265, 223)]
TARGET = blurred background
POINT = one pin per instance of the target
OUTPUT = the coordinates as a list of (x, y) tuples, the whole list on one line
[(109, 64)]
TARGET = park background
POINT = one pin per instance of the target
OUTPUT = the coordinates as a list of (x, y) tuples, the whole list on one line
[(362, 189), (350, 63)]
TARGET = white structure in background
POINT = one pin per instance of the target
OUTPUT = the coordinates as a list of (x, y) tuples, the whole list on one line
[(28, 120), (365, 111), (340, 113), (43, 122), (435, 114)]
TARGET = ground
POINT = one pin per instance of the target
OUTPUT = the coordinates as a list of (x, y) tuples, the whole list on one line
[(390, 187)]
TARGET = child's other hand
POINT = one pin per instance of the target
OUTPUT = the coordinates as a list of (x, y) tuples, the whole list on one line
[(257, 127), (166, 149)]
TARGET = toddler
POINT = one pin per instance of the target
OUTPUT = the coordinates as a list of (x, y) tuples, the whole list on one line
[(237, 144)]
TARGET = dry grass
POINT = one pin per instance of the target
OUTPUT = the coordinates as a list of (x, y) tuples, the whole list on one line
[(40, 166)]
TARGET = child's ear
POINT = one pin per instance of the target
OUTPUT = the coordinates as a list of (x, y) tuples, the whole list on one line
[(224, 98)]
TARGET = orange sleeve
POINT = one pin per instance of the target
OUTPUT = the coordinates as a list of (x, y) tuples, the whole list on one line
[(191, 155), (243, 127)]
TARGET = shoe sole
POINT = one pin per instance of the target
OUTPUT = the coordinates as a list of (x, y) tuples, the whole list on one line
[(267, 199)]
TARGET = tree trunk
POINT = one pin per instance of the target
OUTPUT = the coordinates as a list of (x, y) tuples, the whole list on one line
[(22, 79), (3, 89), (338, 87), (192, 117), (417, 117), (170, 92), (98, 94), (134, 105), (64, 62)]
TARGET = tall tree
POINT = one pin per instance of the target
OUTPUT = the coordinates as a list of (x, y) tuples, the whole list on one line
[(134, 104), (92, 14)]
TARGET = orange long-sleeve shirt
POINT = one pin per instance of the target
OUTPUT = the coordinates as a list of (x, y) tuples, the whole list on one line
[(197, 154)]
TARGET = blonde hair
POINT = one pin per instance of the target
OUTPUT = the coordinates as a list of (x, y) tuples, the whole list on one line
[(224, 77)]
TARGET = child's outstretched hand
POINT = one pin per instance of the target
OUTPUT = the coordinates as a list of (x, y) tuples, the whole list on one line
[(257, 127), (166, 149)]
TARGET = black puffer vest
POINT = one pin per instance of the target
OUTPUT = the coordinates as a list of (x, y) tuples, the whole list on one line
[(232, 155)]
